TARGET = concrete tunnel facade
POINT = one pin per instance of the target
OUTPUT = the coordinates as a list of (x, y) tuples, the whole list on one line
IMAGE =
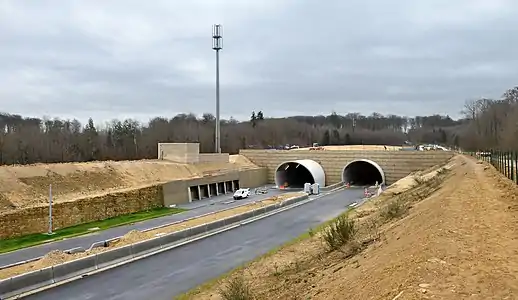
[(297, 172), (363, 172)]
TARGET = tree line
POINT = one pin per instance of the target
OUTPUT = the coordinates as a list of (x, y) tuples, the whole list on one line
[(487, 123)]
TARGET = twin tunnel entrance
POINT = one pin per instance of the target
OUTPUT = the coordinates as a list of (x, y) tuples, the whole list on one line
[(360, 172)]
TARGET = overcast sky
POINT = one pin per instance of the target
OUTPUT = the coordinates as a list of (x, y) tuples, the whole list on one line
[(114, 59)]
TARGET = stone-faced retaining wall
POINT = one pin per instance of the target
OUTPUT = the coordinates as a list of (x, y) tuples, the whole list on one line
[(65, 214), (395, 164)]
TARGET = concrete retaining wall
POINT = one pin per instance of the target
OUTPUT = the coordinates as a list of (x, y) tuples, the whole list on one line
[(214, 157), (177, 192), (395, 164), (185, 153)]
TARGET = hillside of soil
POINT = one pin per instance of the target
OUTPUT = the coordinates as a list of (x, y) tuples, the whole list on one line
[(28, 185), (448, 235)]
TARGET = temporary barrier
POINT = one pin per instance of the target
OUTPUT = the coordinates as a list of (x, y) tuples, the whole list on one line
[(197, 230), (29, 281), (74, 268), (215, 225), (173, 237), (5, 288), (146, 246), (113, 256)]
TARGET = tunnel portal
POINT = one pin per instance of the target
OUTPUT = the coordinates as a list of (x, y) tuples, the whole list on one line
[(294, 174), (363, 172)]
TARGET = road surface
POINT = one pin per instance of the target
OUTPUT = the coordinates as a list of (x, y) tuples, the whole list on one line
[(173, 272), (86, 241)]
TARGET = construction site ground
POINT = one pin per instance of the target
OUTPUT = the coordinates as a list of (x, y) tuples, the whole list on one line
[(456, 240), (28, 185)]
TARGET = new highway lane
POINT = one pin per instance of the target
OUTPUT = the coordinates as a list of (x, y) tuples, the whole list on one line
[(86, 241), (173, 272)]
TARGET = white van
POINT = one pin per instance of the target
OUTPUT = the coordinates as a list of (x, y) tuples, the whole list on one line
[(242, 193)]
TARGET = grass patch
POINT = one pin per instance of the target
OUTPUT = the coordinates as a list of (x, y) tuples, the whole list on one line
[(339, 232), (29, 240), (395, 209), (236, 288)]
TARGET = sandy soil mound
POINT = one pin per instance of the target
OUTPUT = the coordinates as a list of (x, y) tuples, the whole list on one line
[(457, 243), (22, 186)]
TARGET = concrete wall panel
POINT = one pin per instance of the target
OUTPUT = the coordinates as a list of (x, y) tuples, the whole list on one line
[(253, 177), (74, 268), (214, 158), (175, 192), (233, 219), (197, 230), (173, 237), (30, 281), (113, 256), (146, 246), (5, 288), (215, 225), (185, 153)]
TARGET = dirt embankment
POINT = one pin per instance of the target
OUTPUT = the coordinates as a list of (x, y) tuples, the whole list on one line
[(28, 185), (450, 240)]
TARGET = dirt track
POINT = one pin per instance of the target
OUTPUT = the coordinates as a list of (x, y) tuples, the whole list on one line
[(459, 243)]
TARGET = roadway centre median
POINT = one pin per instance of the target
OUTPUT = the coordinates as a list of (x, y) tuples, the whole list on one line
[(62, 266)]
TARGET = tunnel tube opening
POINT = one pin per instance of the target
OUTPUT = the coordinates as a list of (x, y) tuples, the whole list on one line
[(363, 172), (294, 174)]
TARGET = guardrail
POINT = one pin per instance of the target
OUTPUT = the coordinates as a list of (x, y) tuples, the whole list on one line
[(506, 162), (26, 282)]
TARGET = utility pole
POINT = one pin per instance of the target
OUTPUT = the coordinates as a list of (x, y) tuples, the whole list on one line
[(217, 44), (50, 209)]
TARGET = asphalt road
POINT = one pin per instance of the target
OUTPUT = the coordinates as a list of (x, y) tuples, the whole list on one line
[(173, 272), (86, 241)]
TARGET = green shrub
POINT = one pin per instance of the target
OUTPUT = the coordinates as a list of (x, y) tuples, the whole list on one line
[(339, 232)]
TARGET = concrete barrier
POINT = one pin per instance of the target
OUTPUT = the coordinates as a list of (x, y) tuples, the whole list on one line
[(113, 256), (197, 230), (247, 215), (215, 225), (74, 268), (233, 219), (173, 237), (30, 281), (146, 246), (5, 288), (271, 207), (98, 244)]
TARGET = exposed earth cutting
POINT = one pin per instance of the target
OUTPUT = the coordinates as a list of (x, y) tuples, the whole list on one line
[(438, 234)]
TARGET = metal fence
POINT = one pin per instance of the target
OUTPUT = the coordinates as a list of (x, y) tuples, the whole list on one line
[(504, 161)]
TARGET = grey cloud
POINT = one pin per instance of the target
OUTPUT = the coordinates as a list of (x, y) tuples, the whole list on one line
[(282, 57)]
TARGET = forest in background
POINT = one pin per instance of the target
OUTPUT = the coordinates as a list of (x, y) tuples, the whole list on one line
[(486, 124)]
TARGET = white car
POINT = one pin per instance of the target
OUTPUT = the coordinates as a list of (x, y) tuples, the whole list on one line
[(242, 193)]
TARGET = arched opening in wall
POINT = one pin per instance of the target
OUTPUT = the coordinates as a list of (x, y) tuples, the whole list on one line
[(363, 172), (294, 174)]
